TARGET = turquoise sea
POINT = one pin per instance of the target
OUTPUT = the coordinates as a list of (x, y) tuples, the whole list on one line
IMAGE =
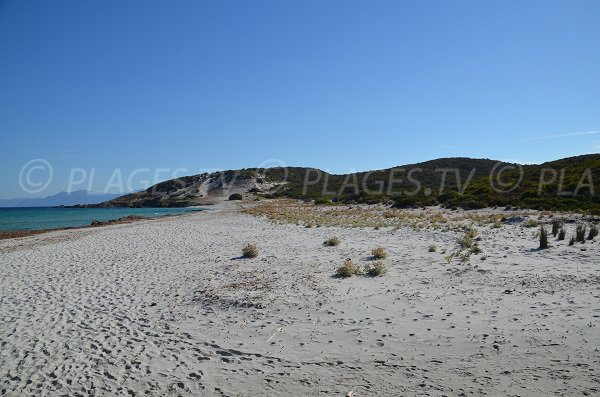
[(54, 218)]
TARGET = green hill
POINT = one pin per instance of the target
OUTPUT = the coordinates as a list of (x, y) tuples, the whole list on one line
[(566, 184)]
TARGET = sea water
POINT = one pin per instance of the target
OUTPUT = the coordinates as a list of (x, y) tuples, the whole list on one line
[(53, 218)]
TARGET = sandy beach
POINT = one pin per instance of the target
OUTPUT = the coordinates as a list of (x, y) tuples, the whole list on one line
[(168, 307)]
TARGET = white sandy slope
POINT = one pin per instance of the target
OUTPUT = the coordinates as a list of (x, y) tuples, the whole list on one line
[(167, 307)]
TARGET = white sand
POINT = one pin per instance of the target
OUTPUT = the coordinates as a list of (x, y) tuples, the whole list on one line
[(167, 307)]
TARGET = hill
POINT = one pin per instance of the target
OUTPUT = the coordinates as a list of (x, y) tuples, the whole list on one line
[(566, 184)]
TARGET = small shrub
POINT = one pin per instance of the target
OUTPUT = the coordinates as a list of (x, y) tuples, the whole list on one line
[(322, 200), (379, 253), (531, 223), (250, 251), (467, 241), (593, 232), (561, 234), (471, 232), (580, 233), (332, 242), (376, 269), (235, 196), (543, 237), (348, 269), (476, 249), (432, 248), (572, 241), (555, 227)]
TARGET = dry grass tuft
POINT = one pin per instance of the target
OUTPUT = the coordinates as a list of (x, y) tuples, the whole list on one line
[(250, 251), (379, 253), (543, 237), (303, 214), (348, 269), (376, 269), (332, 242), (580, 233), (593, 232)]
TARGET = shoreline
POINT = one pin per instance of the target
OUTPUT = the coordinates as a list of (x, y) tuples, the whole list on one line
[(10, 234)]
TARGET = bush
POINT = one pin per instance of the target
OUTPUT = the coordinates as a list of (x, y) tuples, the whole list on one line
[(572, 241), (348, 269), (580, 233), (235, 196), (250, 251), (531, 223), (332, 242), (593, 232), (432, 248), (322, 201), (469, 241), (466, 242), (379, 253), (561, 234), (376, 269), (543, 237), (471, 204), (555, 227)]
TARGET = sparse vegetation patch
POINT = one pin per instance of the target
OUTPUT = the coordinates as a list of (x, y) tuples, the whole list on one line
[(332, 242), (348, 269), (376, 269), (250, 251), (543, 237), (379, 253), (593, 232), (580, 233)]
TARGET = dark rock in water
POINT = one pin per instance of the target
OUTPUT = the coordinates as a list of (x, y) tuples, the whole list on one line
[(124, 219)]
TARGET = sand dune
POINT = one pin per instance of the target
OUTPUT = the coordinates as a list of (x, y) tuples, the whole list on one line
[(168, 307)]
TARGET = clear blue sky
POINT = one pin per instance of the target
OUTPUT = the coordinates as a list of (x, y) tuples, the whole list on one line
[(339, 85)]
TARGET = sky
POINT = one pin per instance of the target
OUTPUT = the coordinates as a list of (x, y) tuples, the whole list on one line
[(115, 95)]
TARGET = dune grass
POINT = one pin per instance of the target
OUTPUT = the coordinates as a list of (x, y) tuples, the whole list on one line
[(348, 269), (250, 251)]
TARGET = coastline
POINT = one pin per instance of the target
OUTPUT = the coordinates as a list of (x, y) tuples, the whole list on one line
[(170, 307), (9, 234)]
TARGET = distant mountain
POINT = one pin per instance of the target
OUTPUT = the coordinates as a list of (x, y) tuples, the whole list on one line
[(82, 197)]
